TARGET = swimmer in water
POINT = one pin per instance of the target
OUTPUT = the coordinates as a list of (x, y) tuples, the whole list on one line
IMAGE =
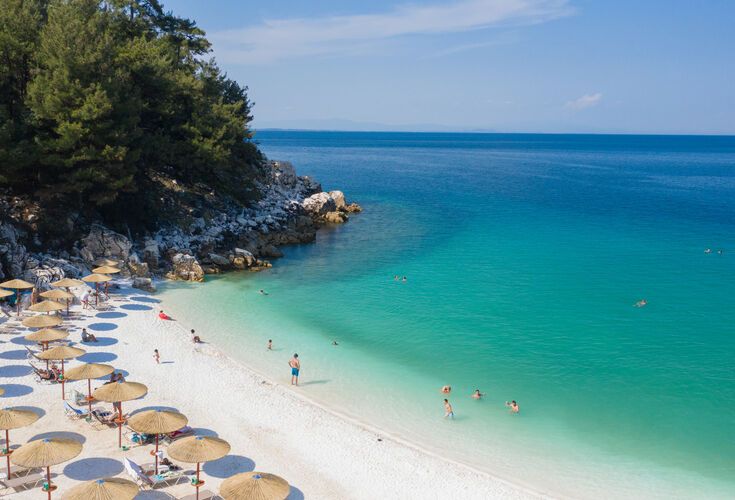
[(719, 251), (446, 389), (513, 407), (448, 410), (405, 279), (708, 250), (334, 342), (262, 292), (477, 394), (641, 303), (270, 344)]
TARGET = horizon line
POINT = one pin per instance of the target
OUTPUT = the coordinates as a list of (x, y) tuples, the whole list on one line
[(487, 132)]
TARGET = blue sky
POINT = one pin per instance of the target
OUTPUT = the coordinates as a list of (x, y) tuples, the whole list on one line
[(602, 66)]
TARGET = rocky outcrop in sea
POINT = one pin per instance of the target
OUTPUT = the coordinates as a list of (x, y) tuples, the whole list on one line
[(289, 210)]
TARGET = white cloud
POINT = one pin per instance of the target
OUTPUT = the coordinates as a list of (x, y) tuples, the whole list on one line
[(284, 38), (586, 101)]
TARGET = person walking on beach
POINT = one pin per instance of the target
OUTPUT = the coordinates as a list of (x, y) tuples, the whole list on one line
[(195, 338), (295, 365), (448, 411), (157, 356)]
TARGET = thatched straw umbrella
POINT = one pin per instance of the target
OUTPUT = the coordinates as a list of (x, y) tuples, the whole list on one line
[(45, 453), (110, 488), (106, 270), (87, 372), (61, 353), (42, 321), (157, 422), (254, 486), (2, 391), (67, 283), (106, 262), (96, 279), (47, 335), (17, 285), (59, 295), (198, 449), (46, 306), (6, 293), (117, 392), (13, 418)]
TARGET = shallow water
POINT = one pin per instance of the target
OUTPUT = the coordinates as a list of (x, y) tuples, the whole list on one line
[(524, 255)]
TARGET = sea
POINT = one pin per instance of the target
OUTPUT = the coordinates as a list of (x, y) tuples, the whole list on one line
[(524, 257)]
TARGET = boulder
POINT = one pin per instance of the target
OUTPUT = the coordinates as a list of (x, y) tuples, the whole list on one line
[(13, 255), (352, 208), (144, 284), (137, 267), (151, 253), (185, 267), (335, 217), (103, 242), (219, 260), (318, 205), (271, 252), (243, 258), (339, 199)]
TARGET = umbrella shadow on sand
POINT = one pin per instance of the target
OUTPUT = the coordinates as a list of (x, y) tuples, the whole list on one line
[(153, 495), (14, 355), (60, 434), (200, 431), (228, 465), (97, 357), (143, 298), (88, 469), (101, 342), (16, 390), (136, 307), (148, 408), (22, 341), (40, 411), (15, 370), (295, 494), (102, 327), (110, 315)]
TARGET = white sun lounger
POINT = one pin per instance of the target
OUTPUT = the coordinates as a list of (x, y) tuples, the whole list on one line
[(148, 479), (23, 482)]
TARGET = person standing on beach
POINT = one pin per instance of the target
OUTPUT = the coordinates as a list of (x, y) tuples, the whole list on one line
[(295, 365), (157, 356), (270, 344), (448, 411)]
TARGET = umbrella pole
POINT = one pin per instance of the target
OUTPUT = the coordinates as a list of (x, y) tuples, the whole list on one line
[(156, 455), (89, 398), (7, 448), (119, 425), (17, 300), (197, 485), (48, 480), (63, 380), (96, 295)]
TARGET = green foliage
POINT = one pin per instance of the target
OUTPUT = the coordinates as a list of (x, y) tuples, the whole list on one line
[(97, 98)]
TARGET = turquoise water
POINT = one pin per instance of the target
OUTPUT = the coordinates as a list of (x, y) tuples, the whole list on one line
[(524, 256)]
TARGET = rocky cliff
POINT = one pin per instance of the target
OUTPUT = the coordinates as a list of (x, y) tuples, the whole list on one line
[(204, 235)]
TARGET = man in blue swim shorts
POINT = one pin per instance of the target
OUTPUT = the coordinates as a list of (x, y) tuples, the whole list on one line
[(295, 365)]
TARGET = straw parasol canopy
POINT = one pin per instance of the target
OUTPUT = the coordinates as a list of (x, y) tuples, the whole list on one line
[(61, 353), (111, 488), (14, 418), (6, 293), (57, 294), (254, 486), (2, 391), (67, 283), (47, 335), (45, 453), (157, 422), (87, 372), (117, 392), (42, 321), (106, 262), (106, 270), (16, 284), (198, 449), (96, 278), (46, 306)]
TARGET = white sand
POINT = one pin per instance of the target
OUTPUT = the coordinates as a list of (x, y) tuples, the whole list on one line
[(271, 426)]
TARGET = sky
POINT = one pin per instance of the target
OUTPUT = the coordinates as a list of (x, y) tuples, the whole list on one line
[(556, 66)]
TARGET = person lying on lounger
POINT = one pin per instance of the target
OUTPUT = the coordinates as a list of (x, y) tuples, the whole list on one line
[(51, 374)]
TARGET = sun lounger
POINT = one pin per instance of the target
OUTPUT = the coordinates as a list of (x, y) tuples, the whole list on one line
[(104, 418), (74, 413), (173, 436), (147, 479), (80, 399), (39, 376), (23, 482)]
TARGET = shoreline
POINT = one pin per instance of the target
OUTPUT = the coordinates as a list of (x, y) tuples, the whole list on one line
[(272, 428), (367, 427)]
